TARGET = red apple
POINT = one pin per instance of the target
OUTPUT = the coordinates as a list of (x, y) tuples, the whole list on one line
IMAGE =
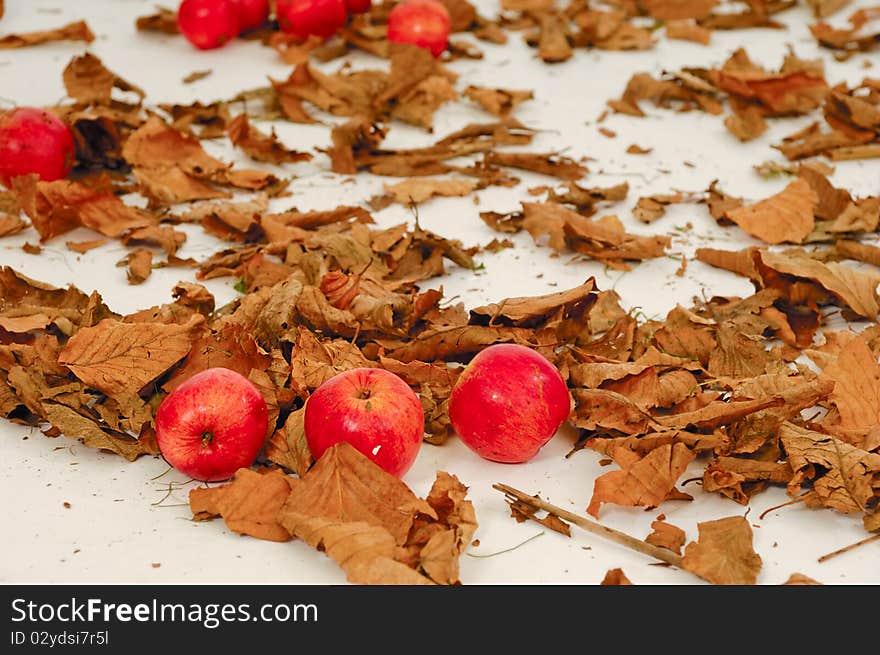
[(304, 18), (424, 23), (212, 425), (374, 411), (208, 24), (358, 6), (251, 13), (33, 140), (508, 402)]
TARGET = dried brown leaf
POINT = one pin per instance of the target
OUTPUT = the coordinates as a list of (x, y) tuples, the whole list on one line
[(76, 31), (249, 504), (642, 481), (723, 554), (122, 358)]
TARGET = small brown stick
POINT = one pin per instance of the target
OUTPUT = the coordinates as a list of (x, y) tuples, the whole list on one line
[(616, 536), (867, 540), (786, 504)]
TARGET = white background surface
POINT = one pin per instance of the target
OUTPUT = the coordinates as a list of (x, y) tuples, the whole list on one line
[(121, 520)]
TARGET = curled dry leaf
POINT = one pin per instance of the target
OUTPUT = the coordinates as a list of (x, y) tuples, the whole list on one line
[(842, 477), (249, 504), (642, 481), (76, 31), (374, 527), (723, 554), (499, 102), (164, 21), (856, 395), (288, 447), (346, 487), (140, 265), (10, 225), (688, 30), (259, 146), (63, 205), (88, 81), (535, 311), (666, 535)]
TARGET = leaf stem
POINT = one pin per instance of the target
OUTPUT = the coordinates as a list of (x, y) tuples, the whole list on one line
[(507, 550)]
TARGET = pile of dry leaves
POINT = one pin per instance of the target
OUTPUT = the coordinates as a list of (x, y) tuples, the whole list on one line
[(755, 388)]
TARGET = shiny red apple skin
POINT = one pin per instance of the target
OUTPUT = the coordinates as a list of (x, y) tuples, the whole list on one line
[(373, 410), (423, 23), (34, 140), (208, 24), (251, 13), (304, 18), (358, 6), (508, 402), (212, 425)]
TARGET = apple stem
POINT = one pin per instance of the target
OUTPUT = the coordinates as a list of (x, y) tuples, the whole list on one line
[(207, 438), (616, 536)]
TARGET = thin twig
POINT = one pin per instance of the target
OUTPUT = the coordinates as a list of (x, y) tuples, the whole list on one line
[(616, 536), (781, 505), (507, 550), (846, 549)]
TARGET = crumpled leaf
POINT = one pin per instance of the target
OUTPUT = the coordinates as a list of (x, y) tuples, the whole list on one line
[(347, 487), (288, 447), (172, 167), (164, 21), (604, 239), (856, 393), (259, 146), (10, 224), (63, 205), (499, 102), (76, 426), (88, 81), (249, 504), (533, 311), (313, 361), (843, 477), (666, 535), (140, 265), (120, 358), (723, 554), (76, 31), (371, 524), (642, 481), (857, 289), (800, 578), (231, 347)]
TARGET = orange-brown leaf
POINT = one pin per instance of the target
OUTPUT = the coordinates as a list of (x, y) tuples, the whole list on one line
[(122, 358), (723, 554), (786, 217), (645, 482), (347, 487), (249, 503)]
